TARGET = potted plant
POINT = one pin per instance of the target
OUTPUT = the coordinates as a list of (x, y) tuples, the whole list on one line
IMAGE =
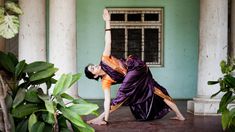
[(28, 108)]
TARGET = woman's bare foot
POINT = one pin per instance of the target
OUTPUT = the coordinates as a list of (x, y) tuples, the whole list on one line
[(181, 118)]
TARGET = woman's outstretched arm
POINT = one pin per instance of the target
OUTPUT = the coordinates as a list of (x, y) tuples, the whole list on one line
[(102, 119), (107, 48)]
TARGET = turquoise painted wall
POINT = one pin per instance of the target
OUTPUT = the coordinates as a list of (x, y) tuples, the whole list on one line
[(181, 29)]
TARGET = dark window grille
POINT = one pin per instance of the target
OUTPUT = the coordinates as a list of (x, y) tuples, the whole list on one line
[(138, 31)]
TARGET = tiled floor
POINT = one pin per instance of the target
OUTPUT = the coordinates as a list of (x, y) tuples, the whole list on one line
[(123, 121)]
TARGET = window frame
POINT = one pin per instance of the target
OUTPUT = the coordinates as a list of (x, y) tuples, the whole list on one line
[(141, 25)]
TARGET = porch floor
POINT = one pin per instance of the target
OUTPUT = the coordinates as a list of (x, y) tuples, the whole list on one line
[(123, 121)]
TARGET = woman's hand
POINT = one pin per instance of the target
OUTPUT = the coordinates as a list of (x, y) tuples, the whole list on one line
[(97, 121), (106, 15)]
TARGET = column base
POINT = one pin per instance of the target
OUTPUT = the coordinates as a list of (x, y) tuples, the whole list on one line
[(203, 106)]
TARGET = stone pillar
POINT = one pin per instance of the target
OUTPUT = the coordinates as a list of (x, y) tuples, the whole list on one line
[(32, 34), (62, 33), (212, 49), (2, 40)]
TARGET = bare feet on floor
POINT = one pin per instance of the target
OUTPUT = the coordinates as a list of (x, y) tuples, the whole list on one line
[(181, 118)]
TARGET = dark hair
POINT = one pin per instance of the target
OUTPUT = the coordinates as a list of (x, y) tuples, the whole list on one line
[(89, 74)]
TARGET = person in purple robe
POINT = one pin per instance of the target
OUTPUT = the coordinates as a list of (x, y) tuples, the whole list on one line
[(146, 98)]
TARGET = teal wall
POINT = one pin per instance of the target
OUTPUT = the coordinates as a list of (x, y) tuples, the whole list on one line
[(181, 29)]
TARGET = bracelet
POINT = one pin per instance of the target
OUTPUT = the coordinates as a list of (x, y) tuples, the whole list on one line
[(108, 29)]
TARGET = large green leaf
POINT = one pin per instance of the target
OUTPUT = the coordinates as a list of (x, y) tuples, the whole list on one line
[(32, 121), (19, 97), (19, 68), (24, 110), (62, 84), (72, 116), (38, 126), (9, 26), (79, 101), (6, 62), (76, 77), (43, 74), (38, 66), (13, 7), (83, 109)]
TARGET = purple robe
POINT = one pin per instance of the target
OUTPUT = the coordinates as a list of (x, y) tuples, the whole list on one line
[(137, 89)]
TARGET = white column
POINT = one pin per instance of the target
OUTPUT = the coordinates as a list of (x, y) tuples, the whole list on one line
[(32, 34), (2, 40), (212, 49), (62, 32)]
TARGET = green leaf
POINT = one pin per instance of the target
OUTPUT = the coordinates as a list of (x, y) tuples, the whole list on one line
[(19, 68), (9, 26), (38, 126), (38, 66), (19, 97), (6, 62), (43, 96), (66, 96), (212, 96), (80, 101), (22, 126), (72, 116), (48, 118), (76, 77), (49, 106), (32, 121), (43, 74), (82, 129), (13, 7), (212, 82), (223, 66), (32, 96), (225, 119), (62, 121), (60, 101), (83, 109), (59, 85), (224, 101), (24, 110), (13, 58)]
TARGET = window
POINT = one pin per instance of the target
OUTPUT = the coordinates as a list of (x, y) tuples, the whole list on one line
[(138, 31)]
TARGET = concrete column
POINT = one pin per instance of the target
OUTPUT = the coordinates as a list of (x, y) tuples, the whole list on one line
[(62, 32), (32, 34), (212, 49), (2, 40)]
